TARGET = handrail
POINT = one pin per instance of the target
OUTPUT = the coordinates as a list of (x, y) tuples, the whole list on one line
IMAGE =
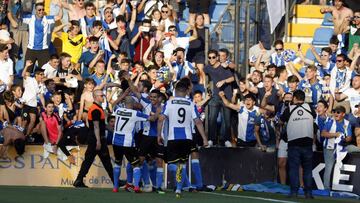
[(222, 16)]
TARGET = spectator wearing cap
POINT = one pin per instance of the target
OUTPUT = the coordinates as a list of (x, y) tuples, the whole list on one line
[(40, 27), (335, 127), (353, 95), (121, 34), (6, 64), (32, 90), (72, 41)]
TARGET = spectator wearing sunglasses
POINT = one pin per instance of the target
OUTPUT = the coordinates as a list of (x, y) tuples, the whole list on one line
[(335, 127), (222, 79), (277, 57), (340, 75), (39, 35)]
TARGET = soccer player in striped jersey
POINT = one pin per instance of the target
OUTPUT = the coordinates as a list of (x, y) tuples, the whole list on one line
[(181, 112), (124, 142), (148, 146)]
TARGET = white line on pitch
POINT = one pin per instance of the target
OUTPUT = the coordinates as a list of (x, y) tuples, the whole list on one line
[(248, 197)]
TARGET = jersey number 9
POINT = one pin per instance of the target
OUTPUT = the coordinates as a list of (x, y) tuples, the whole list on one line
[(182, 114)]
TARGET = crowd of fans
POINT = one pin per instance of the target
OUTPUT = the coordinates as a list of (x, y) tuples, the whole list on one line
[(110, 49)]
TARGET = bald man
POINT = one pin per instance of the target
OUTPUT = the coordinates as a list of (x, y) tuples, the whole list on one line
[(96, 140)]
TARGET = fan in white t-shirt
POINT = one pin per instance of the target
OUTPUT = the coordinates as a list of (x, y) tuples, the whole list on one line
[(6, 64), (51, 68)]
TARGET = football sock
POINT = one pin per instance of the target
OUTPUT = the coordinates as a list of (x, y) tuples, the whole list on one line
[(137, 176), (159, 177), (116, 175), (153, 172), (129, 173), (172, 170), (195, 166), (145, 173), (180, 184)]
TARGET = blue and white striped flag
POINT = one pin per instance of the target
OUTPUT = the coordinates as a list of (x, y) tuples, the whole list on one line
[(340, 151)]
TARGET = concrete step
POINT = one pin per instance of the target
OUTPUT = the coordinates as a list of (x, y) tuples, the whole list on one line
[(307, 40), (302, 30), (308, 11), (307, 21)]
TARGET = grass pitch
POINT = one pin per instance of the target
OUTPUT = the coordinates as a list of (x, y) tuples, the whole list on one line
[(19, 194)]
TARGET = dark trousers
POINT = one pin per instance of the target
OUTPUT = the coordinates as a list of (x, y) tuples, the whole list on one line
[(41, 56), (215, 106), (72, 136), (90, 154), (300, 156)]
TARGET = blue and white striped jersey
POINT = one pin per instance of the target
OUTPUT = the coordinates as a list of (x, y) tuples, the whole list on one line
[(333, 126), (125, 126), (149, 127), (181, 112), (39, 31), (246, 125)]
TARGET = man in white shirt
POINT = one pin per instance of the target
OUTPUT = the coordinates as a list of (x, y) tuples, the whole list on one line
[(51, 68), (6, 64), (340, 75), (32, 89), (172, 41)]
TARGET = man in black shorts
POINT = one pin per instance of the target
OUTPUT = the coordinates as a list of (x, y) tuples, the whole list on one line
[(181, 113)]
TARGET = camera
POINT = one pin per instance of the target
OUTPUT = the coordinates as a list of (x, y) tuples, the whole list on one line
[(145, 29)]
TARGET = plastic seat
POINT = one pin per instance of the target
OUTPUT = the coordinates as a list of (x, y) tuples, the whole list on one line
[(322, 36), (326, 21)]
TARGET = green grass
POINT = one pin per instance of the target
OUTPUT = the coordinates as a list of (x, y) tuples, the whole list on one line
[(19, 194)]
